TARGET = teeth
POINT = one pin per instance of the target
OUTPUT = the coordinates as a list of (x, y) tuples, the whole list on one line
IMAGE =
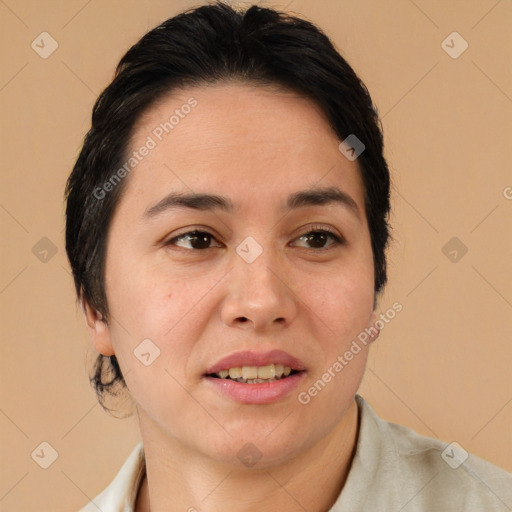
[(249, 372), (256, 374), (235, 373), (255, 381), (267, 372)]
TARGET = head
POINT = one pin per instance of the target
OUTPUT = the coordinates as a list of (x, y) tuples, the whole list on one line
[(251, 106)]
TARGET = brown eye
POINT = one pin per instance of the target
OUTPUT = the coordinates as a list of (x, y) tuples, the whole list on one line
[(198, 240), (318, 238)]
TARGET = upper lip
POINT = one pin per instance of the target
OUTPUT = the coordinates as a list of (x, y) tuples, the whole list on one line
[(252, 358)]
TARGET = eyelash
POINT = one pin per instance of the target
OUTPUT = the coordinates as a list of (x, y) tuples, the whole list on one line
[(314, 230)]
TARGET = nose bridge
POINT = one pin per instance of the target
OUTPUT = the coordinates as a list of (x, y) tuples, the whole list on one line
[(258, 292), (256, 268), (259, 275)]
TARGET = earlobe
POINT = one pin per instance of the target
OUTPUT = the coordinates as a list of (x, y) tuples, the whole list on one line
[(373, 327), (99, 332)]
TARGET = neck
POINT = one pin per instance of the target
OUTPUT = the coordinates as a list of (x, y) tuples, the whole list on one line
[(177, 479)]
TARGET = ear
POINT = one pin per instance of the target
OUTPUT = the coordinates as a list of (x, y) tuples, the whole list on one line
[(373, 328), (99, 331)]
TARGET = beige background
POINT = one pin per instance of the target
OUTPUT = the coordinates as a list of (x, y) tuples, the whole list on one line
[(442, 366)]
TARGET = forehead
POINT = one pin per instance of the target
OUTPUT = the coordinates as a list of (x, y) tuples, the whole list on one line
[(239, 141)]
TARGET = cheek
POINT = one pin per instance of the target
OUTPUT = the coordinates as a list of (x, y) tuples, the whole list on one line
[(154, 328), (343, 301), (148, 300), (344, 304), (169, 311)]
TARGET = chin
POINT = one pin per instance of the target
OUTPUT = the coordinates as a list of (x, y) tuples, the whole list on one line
[(246, 455), (257, 449)]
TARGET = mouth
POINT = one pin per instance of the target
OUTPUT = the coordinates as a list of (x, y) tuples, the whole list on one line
[(255, 374), (251, 377)]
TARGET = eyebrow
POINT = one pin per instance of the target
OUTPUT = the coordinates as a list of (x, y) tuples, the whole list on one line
[(209, 202)]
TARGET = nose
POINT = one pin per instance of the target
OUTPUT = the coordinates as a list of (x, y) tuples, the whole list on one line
[(259, 296)]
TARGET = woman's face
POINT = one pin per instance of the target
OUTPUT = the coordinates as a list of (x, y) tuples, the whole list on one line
[(263, 275)]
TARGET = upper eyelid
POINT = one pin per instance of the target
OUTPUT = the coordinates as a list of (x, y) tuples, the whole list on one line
[(311, 229)]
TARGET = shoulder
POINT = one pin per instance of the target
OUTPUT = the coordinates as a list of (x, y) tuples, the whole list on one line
[(120, 495), (417, 473), (453, 477)]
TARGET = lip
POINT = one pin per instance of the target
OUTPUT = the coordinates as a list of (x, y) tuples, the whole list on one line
[(256, 394), (252, 358)]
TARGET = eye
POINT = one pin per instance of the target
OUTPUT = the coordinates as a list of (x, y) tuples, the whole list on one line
[(318, 237), (199, 240)]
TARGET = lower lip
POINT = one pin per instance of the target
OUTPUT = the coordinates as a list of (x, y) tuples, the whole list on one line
[(262, 393)]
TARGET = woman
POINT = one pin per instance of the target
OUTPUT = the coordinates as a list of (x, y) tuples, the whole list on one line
[(226, 228)]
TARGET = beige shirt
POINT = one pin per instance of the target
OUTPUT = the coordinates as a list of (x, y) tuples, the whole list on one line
[(394, 470)]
